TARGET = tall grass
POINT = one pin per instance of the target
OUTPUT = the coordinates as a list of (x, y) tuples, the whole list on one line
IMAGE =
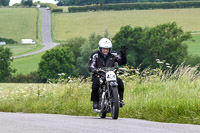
[(160, 97)]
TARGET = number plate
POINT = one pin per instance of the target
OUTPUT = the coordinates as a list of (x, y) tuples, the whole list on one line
[(111, 76)]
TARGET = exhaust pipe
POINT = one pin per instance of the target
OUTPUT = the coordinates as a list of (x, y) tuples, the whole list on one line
[(97, 110)]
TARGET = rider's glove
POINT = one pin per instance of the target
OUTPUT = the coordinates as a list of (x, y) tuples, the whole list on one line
[(94, 71), (123, 50)]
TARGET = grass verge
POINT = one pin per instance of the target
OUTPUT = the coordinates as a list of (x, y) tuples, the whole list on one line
[(175, 100)]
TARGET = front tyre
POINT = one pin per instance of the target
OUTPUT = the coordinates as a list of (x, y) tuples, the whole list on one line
[(114, 103)]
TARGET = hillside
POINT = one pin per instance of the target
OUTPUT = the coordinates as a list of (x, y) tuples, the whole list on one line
[(69, 25), (18, 23)]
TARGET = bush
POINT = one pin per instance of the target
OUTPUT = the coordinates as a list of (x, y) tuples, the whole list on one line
[(164, 42), (32, 77), (138, 6), (57, 10), (8, 41), (5, 64), (56, 61), (193, 61)]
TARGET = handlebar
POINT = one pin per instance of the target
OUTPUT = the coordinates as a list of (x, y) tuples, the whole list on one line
[(105, 69)]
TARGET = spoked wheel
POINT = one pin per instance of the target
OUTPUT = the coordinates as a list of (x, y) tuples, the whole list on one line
[(114, 103)]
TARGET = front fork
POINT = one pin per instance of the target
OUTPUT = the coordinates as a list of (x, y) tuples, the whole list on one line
[(107, 93)]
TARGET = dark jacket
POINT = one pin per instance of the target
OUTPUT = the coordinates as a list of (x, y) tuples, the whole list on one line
[(97, 60)]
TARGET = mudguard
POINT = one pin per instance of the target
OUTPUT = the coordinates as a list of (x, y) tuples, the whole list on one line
[(113, 84)]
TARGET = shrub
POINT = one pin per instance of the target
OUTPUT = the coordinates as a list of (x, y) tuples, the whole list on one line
[(5, 64), (32, 77), (193, 61), (57, 10), (138, 6), (55, 61), (8, 41), (164, 42)]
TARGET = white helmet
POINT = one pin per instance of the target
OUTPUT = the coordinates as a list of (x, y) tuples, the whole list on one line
[(105, 43)]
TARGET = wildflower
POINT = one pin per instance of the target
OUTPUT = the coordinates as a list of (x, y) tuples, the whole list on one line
[(160, 62), (157, 60), (70, 81), (44, 89), (137, 72), (23, 91), (168, 67), (167, 64)]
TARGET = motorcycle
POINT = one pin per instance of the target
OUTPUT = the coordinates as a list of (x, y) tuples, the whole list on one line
[(108, 92)]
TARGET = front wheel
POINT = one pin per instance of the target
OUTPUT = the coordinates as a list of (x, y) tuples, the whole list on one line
[(114, 103)]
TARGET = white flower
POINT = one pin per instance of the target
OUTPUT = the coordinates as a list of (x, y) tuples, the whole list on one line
[(157, 60), (137, 72), (23, 91), (167, 64), (168, 67), (70, 81), (160, 62)]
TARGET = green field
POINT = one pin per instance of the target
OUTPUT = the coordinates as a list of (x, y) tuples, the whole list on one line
[(21, 23), (18, 23), (69, 25), (27, 64), (175, 100), (194, 47), (19, 49)]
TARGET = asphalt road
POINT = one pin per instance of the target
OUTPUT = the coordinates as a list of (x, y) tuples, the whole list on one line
[(46, 34), (49, 123)]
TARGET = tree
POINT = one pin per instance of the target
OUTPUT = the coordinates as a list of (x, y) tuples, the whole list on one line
[(5, 64), (27, 3), (129, 37), (164, 42), (75, 46), (55, 61), (86, 50), (4, 2)]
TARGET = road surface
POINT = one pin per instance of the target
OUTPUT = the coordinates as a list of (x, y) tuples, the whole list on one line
[(50, 123), (46, 34)]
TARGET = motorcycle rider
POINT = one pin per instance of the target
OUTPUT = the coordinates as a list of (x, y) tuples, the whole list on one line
[(105, 57)]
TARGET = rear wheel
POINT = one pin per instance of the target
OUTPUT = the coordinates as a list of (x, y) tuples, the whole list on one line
[(114, 103)]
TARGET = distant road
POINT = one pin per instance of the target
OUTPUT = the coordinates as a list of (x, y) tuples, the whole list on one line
[(46, 34), (50, 123)]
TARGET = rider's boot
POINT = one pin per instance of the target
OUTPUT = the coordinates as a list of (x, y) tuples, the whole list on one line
[(95, 105), (121, 103)]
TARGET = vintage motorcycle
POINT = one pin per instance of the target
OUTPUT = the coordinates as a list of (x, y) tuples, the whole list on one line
[(108, 91)]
